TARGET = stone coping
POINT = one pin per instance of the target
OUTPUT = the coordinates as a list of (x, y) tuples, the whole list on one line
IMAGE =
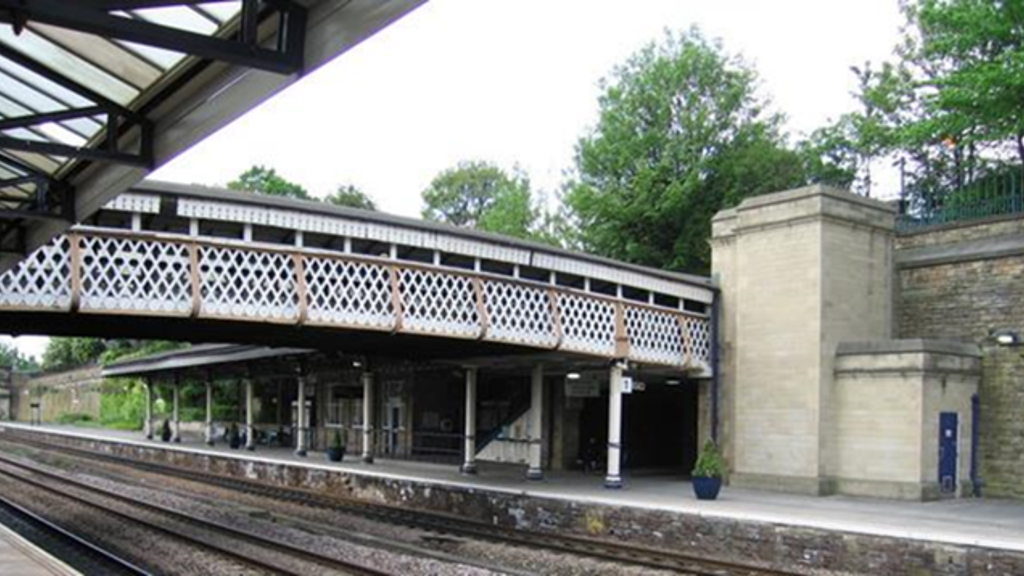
[(908, 346), (812, 191), (970, 251)]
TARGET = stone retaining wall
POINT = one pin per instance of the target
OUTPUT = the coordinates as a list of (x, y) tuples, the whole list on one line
[(960, 282), (801, 549)]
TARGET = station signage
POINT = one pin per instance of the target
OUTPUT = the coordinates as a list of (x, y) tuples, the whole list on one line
[(585, 387)]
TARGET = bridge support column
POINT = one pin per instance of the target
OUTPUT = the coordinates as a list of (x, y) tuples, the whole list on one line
[(469, 462), (209, 411), (149, 409), (534, 472), (176, 415), (368, 417), (300, 425), (250, 430), (613, 479)]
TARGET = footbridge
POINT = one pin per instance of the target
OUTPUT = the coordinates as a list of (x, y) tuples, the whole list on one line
[(201, 264)]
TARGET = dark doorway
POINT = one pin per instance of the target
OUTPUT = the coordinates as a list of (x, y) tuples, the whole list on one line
[(659, 428)]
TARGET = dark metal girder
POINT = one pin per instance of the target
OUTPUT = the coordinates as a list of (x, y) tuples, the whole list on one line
[(85, 18), (43, 117), (142, 159)]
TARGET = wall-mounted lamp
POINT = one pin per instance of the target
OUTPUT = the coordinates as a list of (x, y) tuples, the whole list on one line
[(1005, 337)]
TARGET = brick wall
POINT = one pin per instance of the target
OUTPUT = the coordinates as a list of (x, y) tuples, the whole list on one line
[(959, 283)]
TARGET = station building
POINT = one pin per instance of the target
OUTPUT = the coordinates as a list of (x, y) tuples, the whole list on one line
[(846, 363)]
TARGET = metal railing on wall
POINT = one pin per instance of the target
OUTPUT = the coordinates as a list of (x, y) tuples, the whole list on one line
[(997, 194)]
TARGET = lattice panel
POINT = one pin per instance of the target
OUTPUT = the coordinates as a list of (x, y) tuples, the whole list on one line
[(124, 274), (654, 336), (697, 345), (247, 284), (588, 324), (518, 314), (41, 280), (348, 293), (438, 303)]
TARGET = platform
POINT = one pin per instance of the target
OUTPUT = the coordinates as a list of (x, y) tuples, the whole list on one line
[(648, 502), (19, 557)]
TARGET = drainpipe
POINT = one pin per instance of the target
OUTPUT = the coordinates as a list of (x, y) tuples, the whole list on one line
[(714, 366), (975, 422)]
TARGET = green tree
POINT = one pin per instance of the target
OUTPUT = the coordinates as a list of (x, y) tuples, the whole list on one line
[(682, 133), (351, 196), (483, 196), (970, 57), (262, 180), (10, 356), (68, 352)]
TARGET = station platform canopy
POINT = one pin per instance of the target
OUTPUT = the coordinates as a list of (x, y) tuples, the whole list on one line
[(95, 94)]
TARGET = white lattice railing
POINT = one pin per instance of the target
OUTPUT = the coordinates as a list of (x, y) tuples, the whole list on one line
[(112, 272)]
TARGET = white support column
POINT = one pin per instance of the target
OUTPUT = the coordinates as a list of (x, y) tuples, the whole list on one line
[(535, 472), (614, 477), (176, 416), (149, 409), (209, 411), (300, 425), (250, 430), (368, 417), (469, 449)]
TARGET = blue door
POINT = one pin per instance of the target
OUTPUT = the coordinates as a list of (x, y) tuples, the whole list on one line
[(948, 440)]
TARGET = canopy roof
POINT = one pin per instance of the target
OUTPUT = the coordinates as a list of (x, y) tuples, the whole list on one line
[(94, 94)]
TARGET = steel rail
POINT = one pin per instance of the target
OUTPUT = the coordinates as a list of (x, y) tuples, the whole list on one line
[(73, 540), (343, 566), (447, 523)]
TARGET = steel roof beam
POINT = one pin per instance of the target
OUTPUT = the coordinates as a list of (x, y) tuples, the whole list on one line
[(84, 153), (84, 17), (44, 117)]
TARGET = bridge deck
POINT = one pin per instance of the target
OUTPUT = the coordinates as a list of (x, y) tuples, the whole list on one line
[(985, 523)]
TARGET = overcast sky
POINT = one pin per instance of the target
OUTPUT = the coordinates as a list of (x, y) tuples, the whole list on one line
[(516, 82)]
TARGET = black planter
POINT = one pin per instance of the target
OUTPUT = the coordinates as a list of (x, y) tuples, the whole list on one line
[(706, 488), (335, 454), (235, 443)]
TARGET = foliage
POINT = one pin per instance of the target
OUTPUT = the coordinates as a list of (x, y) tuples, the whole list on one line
[(709, 462), (481, 195), (74, 418), (351, 196), (123, 404), (682, 133), (11, 356), (263, 180), (340, 439), (138, 349), (62, 353)]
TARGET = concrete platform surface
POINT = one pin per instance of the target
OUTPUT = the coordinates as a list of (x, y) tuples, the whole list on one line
[(19, 557), (972, 522)]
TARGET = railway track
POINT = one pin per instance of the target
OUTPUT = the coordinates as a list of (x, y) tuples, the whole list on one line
[(441, 523), (74, 550), (263, 554)]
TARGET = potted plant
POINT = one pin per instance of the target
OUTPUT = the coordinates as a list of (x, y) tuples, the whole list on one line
[(707, 474), (336, 451), (165, 431), (234, 438)]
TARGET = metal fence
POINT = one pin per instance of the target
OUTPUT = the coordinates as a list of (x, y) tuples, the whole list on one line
[(998, 194)]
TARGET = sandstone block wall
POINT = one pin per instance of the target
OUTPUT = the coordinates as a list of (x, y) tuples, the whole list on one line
[(800, 271), (887, 402), (960, 282)]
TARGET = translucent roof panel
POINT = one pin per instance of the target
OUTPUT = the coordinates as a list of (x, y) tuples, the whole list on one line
[(63, 81)]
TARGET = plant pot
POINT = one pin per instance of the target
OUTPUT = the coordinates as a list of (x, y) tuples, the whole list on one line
[(335, 454), (706, 488), (235, 443)]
